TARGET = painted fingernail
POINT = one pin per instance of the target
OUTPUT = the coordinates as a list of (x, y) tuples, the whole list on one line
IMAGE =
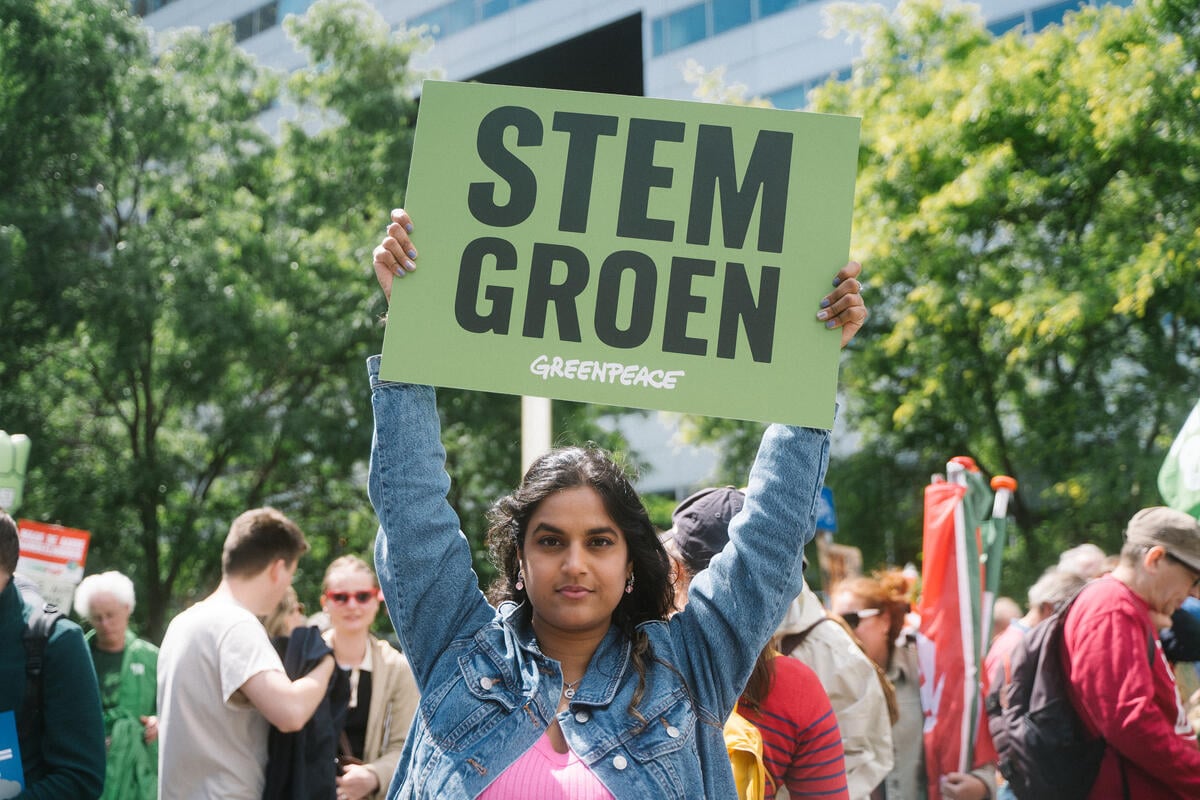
[(400, 273), (830, 324), (410, 266), (411, 253), (837, 281), (822, 315), (408, 227), (825, 303)]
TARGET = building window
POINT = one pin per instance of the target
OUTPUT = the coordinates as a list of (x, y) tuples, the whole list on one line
[(658, 36), (770, 7), (448, 19), (686, 26), (252, 23), (791, 98), (293, 7), (143, 7), (729, 14), (1053, 14), (1003, 26), (795, 97), (679, 29)]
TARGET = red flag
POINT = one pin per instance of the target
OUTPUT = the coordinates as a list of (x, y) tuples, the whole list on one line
[(941, 639), (949, 642)]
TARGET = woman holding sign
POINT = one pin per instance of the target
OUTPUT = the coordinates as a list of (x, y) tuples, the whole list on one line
[(577, 684)]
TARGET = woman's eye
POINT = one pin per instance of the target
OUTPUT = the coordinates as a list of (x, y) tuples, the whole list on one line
[(602, 541), (548, 541)]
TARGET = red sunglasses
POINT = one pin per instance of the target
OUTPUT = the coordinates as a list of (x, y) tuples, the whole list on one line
[(362, 598)]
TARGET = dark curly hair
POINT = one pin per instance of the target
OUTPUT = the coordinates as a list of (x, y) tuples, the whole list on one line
[(652, 598)]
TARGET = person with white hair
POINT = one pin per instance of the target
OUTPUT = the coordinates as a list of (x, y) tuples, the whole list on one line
[(1086, 560), (127, 671), (1051, 592)]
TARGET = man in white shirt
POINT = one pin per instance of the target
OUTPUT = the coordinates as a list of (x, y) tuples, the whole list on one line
[(221, 684)]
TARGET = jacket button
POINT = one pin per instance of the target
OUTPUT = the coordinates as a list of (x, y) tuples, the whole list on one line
[(672, 731), (582, 716), (486, 683), (620, 763)]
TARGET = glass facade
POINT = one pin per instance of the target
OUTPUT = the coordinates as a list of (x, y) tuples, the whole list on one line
[(683, 27), (457, 15), (255, 22)]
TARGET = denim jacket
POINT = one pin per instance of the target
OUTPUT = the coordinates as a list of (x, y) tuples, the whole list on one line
[(488, 692)]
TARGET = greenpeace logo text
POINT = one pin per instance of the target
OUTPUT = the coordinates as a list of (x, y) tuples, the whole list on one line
[(575, 369)]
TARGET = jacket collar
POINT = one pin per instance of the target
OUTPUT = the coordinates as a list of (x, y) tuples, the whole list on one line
[(604, 673)]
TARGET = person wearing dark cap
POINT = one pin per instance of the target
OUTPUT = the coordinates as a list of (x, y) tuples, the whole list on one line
[(1120, 682), (784, 699)]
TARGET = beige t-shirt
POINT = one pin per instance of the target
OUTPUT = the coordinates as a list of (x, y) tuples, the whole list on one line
[(212, 744)]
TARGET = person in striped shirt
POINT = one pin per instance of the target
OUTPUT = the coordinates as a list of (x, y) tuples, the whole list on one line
[(784, 698)]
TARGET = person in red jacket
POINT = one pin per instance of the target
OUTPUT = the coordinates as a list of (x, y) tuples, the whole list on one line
[(1120, 682)]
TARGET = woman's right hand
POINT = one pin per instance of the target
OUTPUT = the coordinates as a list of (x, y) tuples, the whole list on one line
[(395, 256)]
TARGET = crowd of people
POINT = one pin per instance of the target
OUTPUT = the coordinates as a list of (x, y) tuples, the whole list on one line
[(607, 658)]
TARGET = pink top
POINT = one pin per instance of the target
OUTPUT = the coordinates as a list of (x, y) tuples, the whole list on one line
[(544, 773)]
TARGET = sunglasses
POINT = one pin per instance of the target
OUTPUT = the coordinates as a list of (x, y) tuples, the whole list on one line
[(362, 598), (854, 617), (1186, 566)]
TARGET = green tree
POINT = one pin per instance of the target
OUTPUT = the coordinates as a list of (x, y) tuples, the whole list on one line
[(1026, 211), (198, 345), (57, 62), (1026, 206)]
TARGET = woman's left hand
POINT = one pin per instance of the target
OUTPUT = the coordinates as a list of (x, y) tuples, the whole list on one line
[(844, 307), (356, 782)]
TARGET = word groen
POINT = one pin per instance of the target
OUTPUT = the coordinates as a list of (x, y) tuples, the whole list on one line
[(627, 277)]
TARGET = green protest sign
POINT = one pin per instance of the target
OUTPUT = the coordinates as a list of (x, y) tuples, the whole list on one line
[(620, 250), (14, 460)]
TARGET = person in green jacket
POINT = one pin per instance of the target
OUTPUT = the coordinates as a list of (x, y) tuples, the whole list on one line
[(127, 669)]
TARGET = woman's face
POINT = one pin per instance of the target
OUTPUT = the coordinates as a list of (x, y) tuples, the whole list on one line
[(351, 600), (871, 628), (110, 617), (576, 562)]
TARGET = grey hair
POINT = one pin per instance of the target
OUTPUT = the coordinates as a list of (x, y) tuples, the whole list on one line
[(111, 582), (1086, 559), (1055, 587)]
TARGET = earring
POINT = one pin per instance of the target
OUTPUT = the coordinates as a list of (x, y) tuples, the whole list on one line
[(520, 584), (629, 584)]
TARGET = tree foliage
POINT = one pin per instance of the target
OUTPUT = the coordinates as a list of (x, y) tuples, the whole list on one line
[(1026, 210), (189, 297)]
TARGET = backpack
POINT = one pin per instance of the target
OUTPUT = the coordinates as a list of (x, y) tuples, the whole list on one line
[(42, 618), (1043, 748), (744, 743)]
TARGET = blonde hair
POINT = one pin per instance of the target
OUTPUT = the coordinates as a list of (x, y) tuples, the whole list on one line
[(353, 563), (276, 622)]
